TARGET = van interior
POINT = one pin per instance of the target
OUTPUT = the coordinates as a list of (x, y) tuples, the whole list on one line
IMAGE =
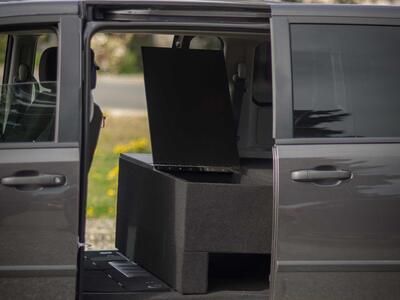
[(194, 218)]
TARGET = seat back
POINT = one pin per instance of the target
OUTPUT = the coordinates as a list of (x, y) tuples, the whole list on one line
[(41, 114), (34, 111)]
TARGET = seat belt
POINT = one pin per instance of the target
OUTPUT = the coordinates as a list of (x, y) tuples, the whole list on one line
[(239, 89), (182, 41)]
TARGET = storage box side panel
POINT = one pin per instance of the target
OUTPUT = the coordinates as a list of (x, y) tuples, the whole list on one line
[(229, 218), (146, 204)]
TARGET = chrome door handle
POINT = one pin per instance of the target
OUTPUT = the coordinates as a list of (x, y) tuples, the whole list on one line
[(318, 175), (41, 180)]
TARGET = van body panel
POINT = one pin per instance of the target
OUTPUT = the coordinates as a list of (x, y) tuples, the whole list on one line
[(351, 220), (39, 219), (39, 226), (37, 8), (336, 11), (333, 238)]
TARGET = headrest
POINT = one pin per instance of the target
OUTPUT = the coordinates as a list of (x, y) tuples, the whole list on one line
[(48, 67), (23, 73)]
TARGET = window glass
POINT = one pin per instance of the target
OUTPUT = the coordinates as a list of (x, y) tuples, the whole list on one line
[(28, 98), (207, 43), (262, 75), (346, 80)]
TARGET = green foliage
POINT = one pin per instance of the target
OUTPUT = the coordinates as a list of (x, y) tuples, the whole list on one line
[(3, 48), (121, 134), (346, 1), (134, 46), (129, 64), (122, 53)]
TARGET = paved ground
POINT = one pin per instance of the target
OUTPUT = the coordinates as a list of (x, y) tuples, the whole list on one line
[(100, 234), (121, 92)]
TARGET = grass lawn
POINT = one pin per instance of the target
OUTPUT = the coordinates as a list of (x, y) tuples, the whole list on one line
[(122, 133)]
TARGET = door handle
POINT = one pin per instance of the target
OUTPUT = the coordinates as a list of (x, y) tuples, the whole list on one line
[(318, 175), (41, 180)]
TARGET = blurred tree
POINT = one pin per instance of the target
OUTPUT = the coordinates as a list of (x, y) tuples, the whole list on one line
[(111, 51), (134, 49), (120, 53), (347, 1), (3, 46)]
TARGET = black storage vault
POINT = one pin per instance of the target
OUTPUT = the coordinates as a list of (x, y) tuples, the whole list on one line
[(191, 204), (170, 223)]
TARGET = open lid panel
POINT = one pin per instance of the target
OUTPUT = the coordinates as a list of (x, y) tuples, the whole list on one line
[(189, 107)]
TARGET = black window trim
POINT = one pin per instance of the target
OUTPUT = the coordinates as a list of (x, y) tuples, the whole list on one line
[(283, 107), (41, 145), (341, 140), (6, 70)]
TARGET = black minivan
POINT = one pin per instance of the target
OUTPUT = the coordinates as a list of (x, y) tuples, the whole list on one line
[(286, 181)]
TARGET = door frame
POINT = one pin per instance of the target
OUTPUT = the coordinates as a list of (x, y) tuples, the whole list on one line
[(166, 24)]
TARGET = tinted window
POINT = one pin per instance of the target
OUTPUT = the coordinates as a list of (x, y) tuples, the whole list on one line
[(262, 75), (28, 96), (346, 80)]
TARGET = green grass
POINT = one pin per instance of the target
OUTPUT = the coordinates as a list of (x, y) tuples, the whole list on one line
[(121, 134)]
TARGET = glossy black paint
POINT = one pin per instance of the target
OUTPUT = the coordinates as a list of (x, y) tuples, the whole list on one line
[(38, 225), (351, 219), (335, 239), (328, 233)]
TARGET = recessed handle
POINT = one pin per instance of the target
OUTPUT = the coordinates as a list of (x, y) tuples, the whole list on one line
[(318, 175), (41, 180)]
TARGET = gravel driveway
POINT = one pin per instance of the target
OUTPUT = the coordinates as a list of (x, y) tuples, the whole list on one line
[(100, 234)]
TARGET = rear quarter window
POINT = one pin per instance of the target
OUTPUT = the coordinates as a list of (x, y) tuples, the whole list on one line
[(346, 80)]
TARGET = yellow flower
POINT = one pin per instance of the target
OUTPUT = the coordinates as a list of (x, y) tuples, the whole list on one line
[(111, 192), (113, 173), (90, 212), (139, 145), (96, 175)]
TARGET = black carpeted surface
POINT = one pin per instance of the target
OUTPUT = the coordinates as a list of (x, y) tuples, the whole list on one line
[(103, 282), (110, 272), (224, 295)]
